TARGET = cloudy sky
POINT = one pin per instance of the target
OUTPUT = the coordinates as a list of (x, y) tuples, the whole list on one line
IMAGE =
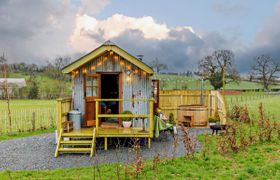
[(178, 33)]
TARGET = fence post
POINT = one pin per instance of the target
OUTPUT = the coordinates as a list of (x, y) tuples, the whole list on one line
[(209, 105), (33, 121)]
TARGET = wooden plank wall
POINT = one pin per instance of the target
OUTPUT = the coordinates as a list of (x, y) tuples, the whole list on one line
[(169, 100), (139, 86)]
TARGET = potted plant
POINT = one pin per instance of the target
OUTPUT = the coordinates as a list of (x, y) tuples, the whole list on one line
[(212, 121), (126, 121)]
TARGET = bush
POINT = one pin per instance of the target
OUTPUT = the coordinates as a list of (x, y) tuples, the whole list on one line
[(33, 91), (172, 119)]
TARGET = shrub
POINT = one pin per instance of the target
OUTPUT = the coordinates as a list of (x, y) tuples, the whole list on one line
[(235, 113), (244, 116), (33, 91), (172, 119)]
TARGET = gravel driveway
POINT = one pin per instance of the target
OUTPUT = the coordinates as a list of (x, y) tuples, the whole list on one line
[(37, 153)]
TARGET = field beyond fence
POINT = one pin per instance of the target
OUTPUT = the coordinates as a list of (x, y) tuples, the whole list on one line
[(253, 100), (28, 115)]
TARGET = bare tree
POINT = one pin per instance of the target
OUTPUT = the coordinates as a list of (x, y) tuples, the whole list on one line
[(266, 69), (59, 64), (6, 88), (157, 66), (219, 68)]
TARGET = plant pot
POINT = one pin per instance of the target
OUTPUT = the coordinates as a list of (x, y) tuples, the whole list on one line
[(212, 123), (126, 124)]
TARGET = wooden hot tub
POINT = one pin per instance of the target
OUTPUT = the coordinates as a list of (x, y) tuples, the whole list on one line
[(193, 115)]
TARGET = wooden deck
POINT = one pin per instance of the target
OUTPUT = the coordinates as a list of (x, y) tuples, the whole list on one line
[(84, 135), (102, 133), (112, 132)]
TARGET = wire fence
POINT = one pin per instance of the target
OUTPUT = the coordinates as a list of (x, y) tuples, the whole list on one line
[(251, 100), (30, 119), (235, 99)]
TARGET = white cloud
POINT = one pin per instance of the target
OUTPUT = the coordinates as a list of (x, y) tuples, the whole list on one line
[(114, 26), (93, 6)]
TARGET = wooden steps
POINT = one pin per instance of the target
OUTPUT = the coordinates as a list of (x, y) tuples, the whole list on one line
[(75, 143), (74, 150)]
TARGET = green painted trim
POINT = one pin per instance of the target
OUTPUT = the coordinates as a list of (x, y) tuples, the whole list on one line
[(101, 49)]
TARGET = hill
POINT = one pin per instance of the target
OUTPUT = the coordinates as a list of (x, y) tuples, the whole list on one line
[(170, 82), (49, 88)]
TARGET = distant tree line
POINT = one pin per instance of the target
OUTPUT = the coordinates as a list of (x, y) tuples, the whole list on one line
[(43, 81), (219, 69)]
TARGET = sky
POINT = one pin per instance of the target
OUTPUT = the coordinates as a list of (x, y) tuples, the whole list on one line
[(179, 33)]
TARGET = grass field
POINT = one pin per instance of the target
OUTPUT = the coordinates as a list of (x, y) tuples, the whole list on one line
[(28, 115), (28, 104), (169, 82), (45, 85), (252, 101)]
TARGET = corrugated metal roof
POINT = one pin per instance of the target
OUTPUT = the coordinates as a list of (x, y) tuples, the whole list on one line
[(19, 82)]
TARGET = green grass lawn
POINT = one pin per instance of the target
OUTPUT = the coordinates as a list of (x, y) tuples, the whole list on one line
[(7, 136), (260, 161), (23, 113), (28, 104)]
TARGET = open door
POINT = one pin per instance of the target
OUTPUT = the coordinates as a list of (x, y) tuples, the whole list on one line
[(91, 92), (111, 88)]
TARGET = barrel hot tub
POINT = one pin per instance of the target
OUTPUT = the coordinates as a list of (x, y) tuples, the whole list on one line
[(193, 115)]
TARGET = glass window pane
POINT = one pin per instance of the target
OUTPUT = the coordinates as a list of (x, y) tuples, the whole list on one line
[(94, 92), (94, 81), (88, 81), (88, 91)]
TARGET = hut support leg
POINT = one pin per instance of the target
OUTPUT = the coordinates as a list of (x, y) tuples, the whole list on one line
[(105, 143), (149, 143)]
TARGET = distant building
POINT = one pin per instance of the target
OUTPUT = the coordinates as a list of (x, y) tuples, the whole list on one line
[(14, 86)]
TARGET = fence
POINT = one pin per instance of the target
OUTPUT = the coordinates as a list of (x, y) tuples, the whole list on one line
[(236, 99), (169, 100), (27, 119)]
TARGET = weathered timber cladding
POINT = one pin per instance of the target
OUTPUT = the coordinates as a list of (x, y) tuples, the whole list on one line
[(139, 86)]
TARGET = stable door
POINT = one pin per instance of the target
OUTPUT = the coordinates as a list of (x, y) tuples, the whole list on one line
[(91, 92)]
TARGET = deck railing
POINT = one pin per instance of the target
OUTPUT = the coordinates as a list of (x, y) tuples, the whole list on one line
[(149, 115), (64, 105)]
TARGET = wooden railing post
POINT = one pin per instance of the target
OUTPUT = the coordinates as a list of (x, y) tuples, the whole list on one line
[(59, 114), (96, 114), (151, 118)]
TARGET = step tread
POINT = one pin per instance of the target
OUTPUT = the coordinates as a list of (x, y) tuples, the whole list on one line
[(74, 149), (76, 142), (77, 135)]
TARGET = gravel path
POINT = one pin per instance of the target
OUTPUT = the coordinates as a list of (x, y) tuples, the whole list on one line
[(37, 153)]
